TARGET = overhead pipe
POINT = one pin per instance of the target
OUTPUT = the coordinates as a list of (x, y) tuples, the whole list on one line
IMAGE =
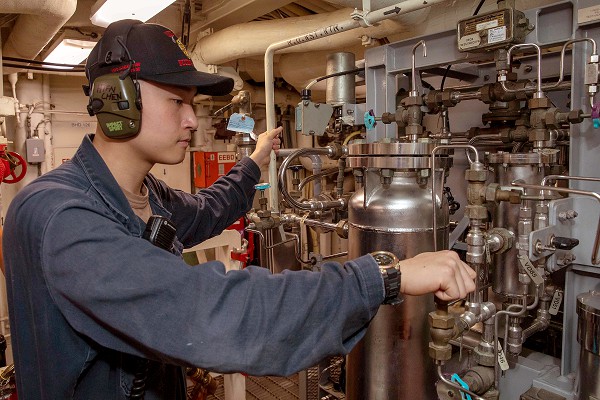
[(357, 19), (38, 23), (295, 67), (224, 45)]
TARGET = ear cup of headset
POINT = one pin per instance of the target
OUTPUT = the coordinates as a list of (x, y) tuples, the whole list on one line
[(116, 102)]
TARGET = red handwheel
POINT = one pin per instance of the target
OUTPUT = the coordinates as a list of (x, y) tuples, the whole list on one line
[(17, 167)]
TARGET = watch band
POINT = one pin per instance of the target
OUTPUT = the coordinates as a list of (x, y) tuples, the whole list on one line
[(391, 283), (389, 266)]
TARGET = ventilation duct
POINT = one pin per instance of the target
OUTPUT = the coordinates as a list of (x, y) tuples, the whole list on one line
[(38, 22)]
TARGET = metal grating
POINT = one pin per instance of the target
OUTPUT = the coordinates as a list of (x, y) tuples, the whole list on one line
[(264, 388), (272, 388), (288, 388), (220, 393), (312, 383)]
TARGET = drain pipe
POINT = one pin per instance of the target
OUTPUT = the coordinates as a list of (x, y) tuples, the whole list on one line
[(357, 19), (12, 79)]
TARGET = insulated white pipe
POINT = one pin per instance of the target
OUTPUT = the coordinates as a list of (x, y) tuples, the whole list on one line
[(38, 23), (225, 45), (357, 20), (375, 4), (12, 79)]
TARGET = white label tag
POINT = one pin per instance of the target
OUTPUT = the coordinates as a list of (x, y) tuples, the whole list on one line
[(502, 359), (240, 123), (530, 270), (556, 301), (588, 14), (496, 35), (486, 25), (226, 157), (469, 41)]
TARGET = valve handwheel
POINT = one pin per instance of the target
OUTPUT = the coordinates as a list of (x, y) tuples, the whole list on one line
[(17, 167)]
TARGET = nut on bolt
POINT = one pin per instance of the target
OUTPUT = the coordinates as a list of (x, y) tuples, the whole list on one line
[(341, 229), (575, 116), (476, 212), (336, 151), (473, 175), (441, 321), (490, 191), (567, 215), (542, 102), (412, 101), (440, 353)]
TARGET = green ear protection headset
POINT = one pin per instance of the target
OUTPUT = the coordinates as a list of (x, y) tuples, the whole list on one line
[(115, 98)]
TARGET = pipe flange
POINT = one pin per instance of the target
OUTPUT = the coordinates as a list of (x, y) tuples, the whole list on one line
[(394, 149), (397, 163), (548, 156)]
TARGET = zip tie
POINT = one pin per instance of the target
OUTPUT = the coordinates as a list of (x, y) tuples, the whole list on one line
[(463, 384)]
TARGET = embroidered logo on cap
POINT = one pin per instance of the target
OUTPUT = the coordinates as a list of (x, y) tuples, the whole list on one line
[(134, 68), (176, 40)]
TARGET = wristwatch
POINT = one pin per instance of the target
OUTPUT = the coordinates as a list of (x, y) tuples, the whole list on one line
[(389, 266)]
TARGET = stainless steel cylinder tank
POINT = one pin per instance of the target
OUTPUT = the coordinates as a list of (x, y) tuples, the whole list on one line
[(393, 211), (588, 336), (340, 89), (530, 168)]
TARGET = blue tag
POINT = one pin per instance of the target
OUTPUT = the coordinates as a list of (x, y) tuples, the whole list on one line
[(240, 123)]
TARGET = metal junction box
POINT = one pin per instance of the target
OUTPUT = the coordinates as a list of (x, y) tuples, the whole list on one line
[(36, 153), (492, 30)]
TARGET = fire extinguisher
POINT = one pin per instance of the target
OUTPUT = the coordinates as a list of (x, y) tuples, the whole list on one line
[(12, 166)]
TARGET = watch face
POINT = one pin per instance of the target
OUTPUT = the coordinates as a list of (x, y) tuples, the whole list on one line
[(384, 258)]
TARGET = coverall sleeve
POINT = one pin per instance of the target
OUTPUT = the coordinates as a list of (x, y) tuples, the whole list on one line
[(130, 296), (206, 214)]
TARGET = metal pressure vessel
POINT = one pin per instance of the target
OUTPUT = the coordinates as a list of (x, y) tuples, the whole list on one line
[(529, 168), (340, 89), (588, 336), (393, 211)]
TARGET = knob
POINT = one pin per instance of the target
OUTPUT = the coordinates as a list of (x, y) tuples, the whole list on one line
[(262, 186), (563, 243)]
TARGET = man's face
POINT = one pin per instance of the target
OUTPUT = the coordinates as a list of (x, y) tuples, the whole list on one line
[(168, 121)]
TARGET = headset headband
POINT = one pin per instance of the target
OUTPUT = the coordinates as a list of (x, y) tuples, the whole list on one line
[(115, 43)]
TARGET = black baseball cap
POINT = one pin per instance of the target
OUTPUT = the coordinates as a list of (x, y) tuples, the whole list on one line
[(150, 52)]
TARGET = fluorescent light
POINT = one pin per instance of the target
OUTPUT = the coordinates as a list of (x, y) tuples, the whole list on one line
[(70, 51), (106, 11)]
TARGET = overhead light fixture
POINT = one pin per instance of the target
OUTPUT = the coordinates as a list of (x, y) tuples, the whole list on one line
[(70, 51), (106, 11)]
